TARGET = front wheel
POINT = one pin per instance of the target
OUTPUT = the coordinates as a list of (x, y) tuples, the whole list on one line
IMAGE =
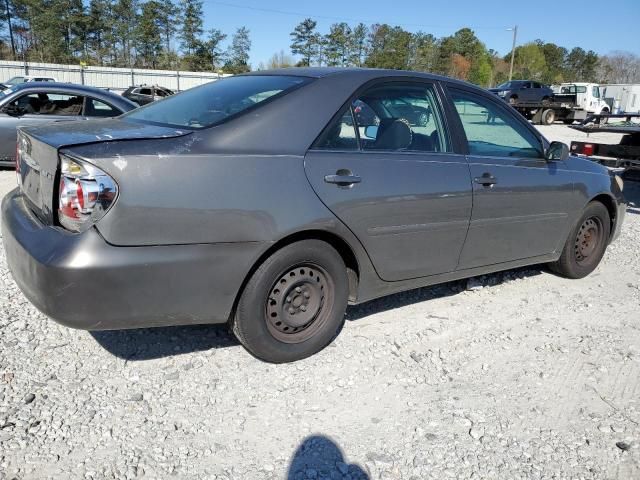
[(586, 244), (293, 305)]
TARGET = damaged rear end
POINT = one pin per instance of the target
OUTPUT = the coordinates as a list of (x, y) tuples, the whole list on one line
[(64, 265), (64, 190)]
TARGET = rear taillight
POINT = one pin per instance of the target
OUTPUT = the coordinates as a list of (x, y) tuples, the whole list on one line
[(85, 194), (587, 149)]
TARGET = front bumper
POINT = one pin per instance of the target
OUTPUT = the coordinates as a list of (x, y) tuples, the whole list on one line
[(82, 282)]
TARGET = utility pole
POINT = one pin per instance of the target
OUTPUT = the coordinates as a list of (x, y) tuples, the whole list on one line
[(513, 49), (13, 45)]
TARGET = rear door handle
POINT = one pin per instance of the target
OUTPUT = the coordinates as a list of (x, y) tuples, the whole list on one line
[(343, 179), (486, 179)]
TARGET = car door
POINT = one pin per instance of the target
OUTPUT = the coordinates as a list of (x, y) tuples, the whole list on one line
[(144, 96), (521, 202), (35, 108), (398, 187), (527, 92)]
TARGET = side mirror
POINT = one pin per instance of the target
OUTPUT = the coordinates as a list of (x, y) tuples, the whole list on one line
[(557, 152), (371, 132)]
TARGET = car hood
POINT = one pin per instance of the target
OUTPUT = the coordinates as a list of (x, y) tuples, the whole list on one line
[(102, 130), (496, 90)]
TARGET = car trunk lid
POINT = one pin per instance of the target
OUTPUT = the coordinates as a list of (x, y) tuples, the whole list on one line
[(37, 161)]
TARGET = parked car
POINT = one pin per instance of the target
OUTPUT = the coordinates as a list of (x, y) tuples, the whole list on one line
[(257, 200), (35, 103), (523, 91), (28, 78), (145, 94)]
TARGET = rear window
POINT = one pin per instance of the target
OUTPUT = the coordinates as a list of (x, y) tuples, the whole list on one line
[(217, 101)]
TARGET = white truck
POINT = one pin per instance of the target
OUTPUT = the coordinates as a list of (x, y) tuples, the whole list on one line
[(571, 102), (622, 97)]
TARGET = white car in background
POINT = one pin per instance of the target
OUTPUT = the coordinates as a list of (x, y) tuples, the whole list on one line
[(27, 78)]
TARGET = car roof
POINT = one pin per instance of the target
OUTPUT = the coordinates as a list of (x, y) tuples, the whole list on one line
[(354, 72)]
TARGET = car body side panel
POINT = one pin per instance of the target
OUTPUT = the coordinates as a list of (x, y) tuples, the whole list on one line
[(411, 211), (204, 198), (526, 214)]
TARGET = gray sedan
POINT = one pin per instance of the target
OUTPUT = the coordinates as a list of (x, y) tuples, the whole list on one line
[(35, 103), (264, 201)]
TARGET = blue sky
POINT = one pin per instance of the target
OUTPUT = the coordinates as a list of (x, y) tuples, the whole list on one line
[(597, 25)]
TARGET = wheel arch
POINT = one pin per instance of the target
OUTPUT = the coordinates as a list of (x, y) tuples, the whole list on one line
[(609, 202), (344, 249)]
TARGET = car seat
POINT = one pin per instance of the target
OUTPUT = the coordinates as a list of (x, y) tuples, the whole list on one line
[(393, 134)]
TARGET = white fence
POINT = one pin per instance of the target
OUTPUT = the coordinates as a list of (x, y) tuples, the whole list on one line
[(107, 77)]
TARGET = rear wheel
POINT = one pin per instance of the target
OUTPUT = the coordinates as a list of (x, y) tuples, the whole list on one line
[(586, 244), (548, 116), (293, 305)]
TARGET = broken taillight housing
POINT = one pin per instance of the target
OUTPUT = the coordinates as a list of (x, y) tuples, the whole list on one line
[(85, 194)]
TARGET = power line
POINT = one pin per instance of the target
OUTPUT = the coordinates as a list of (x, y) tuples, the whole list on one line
[(343, 19)]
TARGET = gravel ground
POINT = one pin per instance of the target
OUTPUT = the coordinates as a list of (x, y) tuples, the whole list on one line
[(515, 375)]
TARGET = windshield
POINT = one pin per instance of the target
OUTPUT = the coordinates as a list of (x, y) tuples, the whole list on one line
[(214, 102), (15, 81), (506, 85)]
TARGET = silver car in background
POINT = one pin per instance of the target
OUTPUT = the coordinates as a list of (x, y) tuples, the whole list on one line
[(36, 103)]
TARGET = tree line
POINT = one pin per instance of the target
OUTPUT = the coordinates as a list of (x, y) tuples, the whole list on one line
[(461, 55), (170, 34), (159, 34)]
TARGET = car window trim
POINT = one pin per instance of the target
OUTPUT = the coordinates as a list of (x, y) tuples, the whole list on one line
[(439, 95), (508, 110)]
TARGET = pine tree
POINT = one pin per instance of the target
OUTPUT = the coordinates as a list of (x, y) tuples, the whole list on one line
[(149, 33), (305, 41), (192, 25), (238, 52)]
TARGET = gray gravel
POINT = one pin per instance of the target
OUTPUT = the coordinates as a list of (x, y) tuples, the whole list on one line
[(517, 375)]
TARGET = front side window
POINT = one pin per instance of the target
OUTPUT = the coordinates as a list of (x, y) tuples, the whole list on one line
[(492, 131), (392, 117), (145, 91), (595, 91), (49, 104), (214, 102)]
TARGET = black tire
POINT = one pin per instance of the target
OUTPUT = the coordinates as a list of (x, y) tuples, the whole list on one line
[(548, 117), (586, 243), (567, 121), (293, 305)]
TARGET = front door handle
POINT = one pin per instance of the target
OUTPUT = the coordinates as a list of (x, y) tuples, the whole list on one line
[(486, 179), (343, 178)]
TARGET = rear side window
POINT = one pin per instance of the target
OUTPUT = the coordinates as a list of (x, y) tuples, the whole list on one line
[(97, 108), (492, 131), (390, 117), (217, 101)]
